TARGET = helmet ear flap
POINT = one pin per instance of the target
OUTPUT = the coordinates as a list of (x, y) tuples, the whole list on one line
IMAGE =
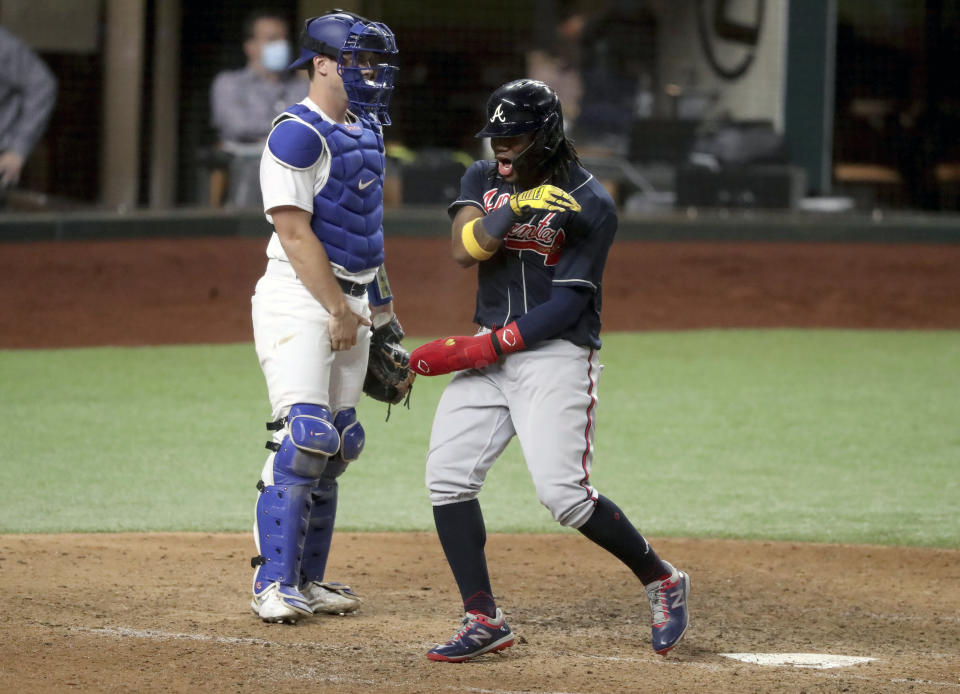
[(551, 150), (552, 132)]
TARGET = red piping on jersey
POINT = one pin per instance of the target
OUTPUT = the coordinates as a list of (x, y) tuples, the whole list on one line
[(586, 432)]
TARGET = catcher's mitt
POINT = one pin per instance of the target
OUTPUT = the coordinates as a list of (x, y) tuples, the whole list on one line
[(389, 377)]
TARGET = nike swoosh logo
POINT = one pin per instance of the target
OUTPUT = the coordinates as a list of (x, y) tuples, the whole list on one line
[(364, 185)]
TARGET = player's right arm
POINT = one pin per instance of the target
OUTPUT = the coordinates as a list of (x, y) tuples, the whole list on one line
[(312, 265), (477, 236), (469, 242), (466, 228)]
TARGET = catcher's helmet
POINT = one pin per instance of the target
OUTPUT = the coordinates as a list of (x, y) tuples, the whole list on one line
[(339, 32), (526, 106)]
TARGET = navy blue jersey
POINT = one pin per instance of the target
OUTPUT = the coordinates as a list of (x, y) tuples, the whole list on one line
[(541, 251)]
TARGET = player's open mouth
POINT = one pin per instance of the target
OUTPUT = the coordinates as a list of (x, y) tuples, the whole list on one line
[(504, 166)]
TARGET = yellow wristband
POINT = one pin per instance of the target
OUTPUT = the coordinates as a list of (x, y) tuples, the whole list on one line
[(470, 242)]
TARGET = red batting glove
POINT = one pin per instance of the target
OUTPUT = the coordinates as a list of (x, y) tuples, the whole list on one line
[(464, 352)]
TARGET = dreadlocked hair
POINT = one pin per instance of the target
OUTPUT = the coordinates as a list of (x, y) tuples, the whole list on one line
[(559, 164)]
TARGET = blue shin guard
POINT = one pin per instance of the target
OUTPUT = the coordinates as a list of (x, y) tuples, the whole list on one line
[(323, 513), (283, 512), (284, 505), (282, 515)]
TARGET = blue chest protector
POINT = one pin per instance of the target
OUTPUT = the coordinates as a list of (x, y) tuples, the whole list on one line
[(348, 210)]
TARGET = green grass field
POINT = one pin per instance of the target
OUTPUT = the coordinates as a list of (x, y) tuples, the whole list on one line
[(839, 436)]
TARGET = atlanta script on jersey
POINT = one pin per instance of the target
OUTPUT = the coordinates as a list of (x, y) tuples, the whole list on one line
[(542, 250)]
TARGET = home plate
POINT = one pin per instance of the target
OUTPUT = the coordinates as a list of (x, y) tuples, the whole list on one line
[(819, 661)]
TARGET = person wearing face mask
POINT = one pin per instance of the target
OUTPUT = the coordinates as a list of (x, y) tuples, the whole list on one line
[(244, 102)]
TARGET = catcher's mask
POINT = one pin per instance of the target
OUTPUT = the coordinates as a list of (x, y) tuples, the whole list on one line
[(365, 52), (526, 106)]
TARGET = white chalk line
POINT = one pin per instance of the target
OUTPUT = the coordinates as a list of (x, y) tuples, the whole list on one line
[(160, 635), (157, 634)]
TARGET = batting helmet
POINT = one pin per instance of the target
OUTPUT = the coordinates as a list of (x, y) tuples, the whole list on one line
[(527, 106), (368, 78)]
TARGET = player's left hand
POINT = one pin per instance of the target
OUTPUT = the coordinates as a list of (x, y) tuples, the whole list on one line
[(389, 377), (543, 198), (465, 352), (453, 354)]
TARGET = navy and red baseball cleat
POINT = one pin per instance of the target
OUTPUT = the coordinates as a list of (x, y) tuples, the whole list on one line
[(668, 603), (480, 634)]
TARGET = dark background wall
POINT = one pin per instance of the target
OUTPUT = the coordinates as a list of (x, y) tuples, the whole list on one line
[(897, 85)]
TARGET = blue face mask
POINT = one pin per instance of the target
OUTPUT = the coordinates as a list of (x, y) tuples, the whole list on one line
[(275, 55)]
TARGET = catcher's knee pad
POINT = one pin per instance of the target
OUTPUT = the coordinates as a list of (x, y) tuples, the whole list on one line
[(283, 512), (303, 453), (352, 436)]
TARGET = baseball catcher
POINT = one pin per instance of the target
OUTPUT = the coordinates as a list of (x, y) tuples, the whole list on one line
[(322, 174)]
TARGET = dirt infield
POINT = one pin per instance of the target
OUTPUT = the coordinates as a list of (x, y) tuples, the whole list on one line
[(168, 613)]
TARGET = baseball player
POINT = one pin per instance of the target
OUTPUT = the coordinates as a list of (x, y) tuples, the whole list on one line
[(321, 174), (538, 227)]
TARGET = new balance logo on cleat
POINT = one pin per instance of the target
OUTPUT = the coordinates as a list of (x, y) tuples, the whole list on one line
[(668, 605), (678, 599), (480, 634), (481, 637)]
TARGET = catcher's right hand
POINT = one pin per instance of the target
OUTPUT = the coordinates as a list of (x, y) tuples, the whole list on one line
[(546, 197), (389, 377)]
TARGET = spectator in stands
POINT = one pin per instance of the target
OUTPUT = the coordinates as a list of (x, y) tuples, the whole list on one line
[(28, 91), (244, 102)]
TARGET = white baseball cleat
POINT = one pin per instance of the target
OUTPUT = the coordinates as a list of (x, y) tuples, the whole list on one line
[(281, 604), (331, 598)]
